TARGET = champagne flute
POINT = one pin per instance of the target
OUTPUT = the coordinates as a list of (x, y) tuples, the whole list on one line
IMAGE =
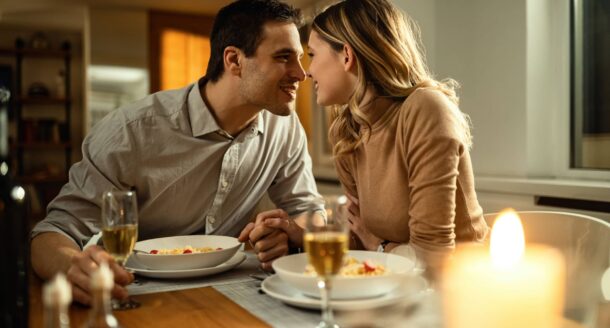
[(326, 243), (120, 232)]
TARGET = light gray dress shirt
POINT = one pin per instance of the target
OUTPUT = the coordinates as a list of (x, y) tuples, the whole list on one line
[(191, 177)]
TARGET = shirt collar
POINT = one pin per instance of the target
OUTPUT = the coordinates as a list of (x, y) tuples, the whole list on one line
[(258, 123), (202, 120)]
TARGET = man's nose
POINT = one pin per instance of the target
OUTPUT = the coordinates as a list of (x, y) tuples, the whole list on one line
[(299, 72)]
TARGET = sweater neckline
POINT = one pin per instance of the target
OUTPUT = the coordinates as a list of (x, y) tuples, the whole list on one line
[(379, 119)]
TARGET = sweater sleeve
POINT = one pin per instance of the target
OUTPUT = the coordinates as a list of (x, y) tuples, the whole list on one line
[(433, 149)]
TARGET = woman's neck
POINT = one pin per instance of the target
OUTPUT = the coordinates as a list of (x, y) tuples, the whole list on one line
[(373, 106)]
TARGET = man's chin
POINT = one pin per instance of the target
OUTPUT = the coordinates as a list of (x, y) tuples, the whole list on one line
[(282, 110)]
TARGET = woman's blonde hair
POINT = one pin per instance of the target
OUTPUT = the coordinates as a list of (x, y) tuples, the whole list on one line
[(389, 58)]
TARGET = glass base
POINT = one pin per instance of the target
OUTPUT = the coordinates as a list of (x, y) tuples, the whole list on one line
[(121, 305), (323, 324)]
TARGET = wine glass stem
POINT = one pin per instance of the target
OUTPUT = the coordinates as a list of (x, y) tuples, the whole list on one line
[(327, 312)]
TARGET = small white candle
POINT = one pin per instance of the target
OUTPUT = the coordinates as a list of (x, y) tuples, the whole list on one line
[(509, 285), (102, 278), (57, 292)]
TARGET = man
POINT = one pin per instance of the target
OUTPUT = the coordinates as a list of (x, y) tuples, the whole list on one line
[(200, 158)]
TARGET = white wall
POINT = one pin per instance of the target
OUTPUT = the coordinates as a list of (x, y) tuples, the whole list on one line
[(424, 14), (512, 61), (482, 44)]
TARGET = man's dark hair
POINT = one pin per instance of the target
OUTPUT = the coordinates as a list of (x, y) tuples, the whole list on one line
[(240, 24)]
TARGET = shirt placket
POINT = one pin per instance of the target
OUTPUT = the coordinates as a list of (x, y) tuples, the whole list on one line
[(228, 171)]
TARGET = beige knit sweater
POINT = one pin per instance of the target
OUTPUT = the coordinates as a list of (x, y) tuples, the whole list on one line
[(413, 177)]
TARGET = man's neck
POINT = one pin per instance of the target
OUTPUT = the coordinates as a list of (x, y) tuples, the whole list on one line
[(229, 110)]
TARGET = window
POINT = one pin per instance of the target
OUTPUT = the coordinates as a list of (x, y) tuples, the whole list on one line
[(184, 58), (112, 87), (179, 48), (590, 91)]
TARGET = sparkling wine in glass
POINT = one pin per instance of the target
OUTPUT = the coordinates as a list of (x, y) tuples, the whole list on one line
[(120, 231), (119, 241), (326, 243)]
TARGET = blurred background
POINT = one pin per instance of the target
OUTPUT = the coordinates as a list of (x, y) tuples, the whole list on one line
[(530, 73)]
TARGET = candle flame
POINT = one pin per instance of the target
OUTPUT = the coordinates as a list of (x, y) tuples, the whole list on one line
[(507, 242)]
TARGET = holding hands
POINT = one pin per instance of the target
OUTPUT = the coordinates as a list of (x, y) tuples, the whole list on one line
[(271, 235)]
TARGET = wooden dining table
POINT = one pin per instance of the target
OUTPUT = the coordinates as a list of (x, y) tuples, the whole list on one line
[(197, 307), (212, 306)]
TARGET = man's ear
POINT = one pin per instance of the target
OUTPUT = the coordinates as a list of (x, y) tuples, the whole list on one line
[(232, 58), (349, 59)]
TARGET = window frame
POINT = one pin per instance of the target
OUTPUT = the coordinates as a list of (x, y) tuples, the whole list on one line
[(575, 115)]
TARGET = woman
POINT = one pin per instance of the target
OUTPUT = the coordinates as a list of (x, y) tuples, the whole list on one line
[(400, 143)]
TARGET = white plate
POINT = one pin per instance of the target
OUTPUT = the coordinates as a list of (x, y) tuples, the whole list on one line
[(291, 269), (229, 247), (230, 264), (275, 287)]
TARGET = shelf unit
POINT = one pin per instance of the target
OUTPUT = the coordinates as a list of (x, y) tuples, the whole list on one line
[(32, 137)]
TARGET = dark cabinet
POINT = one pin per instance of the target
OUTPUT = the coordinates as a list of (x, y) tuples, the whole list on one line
[(44, 132)]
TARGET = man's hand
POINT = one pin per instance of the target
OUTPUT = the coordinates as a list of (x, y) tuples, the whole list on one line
[(369, 240), (293, 230), (270, 235), (84, 264)]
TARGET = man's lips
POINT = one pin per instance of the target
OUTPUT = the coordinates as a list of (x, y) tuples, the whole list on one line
[(290, 89)]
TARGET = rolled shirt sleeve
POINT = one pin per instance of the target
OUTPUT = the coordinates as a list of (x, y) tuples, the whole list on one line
[(293, 188), (106, 165)]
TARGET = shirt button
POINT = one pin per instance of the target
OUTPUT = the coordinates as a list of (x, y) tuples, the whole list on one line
[(211, 219), (224, 183)]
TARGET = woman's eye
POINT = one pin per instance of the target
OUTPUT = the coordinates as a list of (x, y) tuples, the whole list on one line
[(310, 54)]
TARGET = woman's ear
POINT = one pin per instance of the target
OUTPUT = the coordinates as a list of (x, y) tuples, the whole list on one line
[(349, 61), (232, 57)]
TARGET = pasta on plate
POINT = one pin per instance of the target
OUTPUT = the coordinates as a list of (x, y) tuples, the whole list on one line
[(352, 267), (185, 250)]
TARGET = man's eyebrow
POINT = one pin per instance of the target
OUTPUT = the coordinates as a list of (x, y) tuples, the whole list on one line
[(285, 51)]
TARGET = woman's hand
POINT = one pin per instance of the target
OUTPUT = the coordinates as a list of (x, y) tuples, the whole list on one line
[(368, 239)]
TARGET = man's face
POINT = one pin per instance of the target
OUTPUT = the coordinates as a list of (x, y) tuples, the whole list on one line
[(270, 77)]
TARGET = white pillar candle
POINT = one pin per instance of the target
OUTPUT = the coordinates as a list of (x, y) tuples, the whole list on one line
[(507, 285)]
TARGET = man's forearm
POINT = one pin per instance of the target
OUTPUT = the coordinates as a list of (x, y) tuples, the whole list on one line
[(51, 253)]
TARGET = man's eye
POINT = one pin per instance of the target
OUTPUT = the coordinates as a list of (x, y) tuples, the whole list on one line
[(284, 58)]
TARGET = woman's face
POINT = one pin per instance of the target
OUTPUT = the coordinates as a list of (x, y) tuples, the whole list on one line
[(333, 81)]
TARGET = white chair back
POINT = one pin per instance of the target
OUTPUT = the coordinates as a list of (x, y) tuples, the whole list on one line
[(585, 243)]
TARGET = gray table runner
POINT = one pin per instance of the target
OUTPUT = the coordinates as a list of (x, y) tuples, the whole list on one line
[(244, 290)]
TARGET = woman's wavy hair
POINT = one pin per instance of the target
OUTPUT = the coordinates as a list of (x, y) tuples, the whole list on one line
[(389, 57)]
